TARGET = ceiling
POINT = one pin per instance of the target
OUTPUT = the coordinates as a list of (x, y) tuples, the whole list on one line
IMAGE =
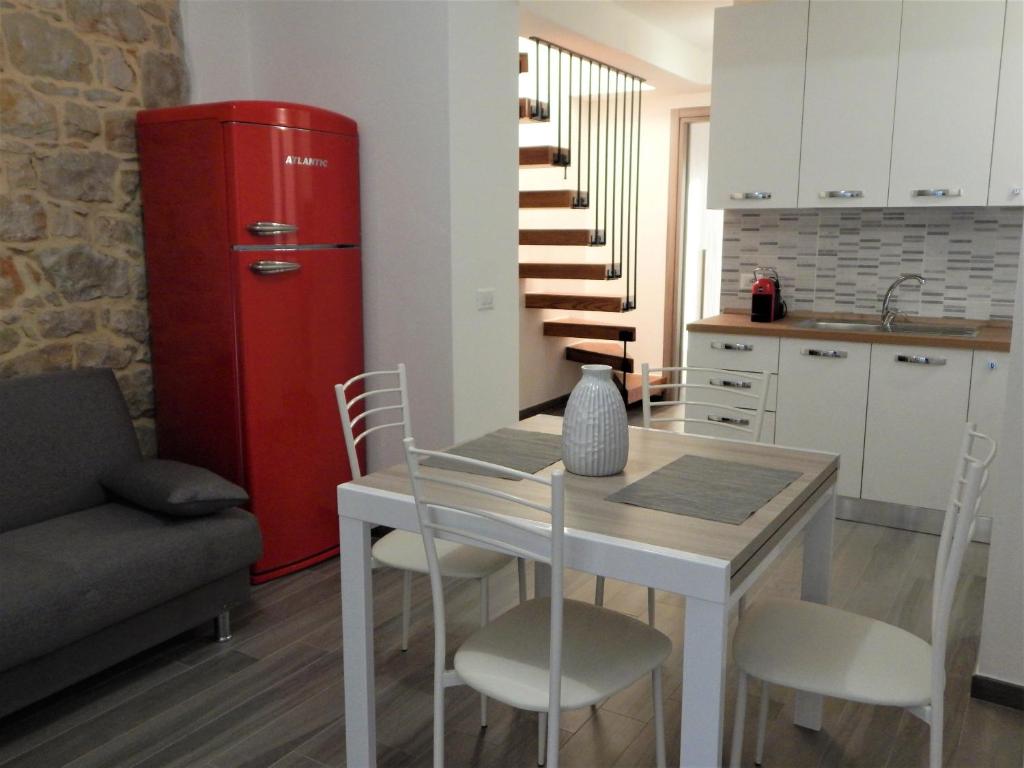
[(690, 20)]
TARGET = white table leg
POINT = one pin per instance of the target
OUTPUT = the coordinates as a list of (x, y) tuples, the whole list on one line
[(815, 585), (357, 636), (705, 644)]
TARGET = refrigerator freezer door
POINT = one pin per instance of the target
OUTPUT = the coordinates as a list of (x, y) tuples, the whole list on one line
[(300, 327), (292, 186)]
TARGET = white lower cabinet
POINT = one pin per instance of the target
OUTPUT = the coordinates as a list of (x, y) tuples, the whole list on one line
[(822, 401), (917, 408), (987, 408)]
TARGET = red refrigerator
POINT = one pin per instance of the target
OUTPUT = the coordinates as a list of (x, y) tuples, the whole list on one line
[(251, 213)]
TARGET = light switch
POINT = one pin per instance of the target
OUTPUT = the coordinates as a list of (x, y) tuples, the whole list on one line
[(484, 299)]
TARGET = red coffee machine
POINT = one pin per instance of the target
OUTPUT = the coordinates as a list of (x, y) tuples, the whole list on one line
[(766, 304)]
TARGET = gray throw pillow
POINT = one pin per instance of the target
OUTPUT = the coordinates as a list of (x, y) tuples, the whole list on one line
[(173, 488)]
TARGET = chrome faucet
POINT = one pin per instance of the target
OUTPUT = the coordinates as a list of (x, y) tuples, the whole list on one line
[(888, 315)]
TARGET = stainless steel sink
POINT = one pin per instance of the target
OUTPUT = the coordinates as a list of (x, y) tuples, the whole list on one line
[(926, 329)]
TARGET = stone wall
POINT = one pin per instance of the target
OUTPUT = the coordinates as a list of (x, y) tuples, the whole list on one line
[(72, 276)]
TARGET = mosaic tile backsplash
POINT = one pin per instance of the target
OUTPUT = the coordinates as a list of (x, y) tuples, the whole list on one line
[(832, 260)]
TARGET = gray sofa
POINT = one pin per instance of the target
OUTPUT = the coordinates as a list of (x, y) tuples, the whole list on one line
[(88, 579)]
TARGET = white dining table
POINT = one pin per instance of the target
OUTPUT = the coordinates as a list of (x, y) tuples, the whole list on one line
[(711, 564)]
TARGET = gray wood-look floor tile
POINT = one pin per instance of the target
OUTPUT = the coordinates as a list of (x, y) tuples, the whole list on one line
[(272, 696)]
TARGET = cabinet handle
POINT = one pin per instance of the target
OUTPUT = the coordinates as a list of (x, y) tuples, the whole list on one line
[(732, 347), (920, 359), (731, 383), (267, 228), (736, 422), (750, 195), (274, 267), (936, 192), (842, 193), (837, 354)]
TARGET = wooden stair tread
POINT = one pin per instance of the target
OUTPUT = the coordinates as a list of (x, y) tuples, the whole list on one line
[(583, 303), (528, 111), (563, 271), (553, 198), (600, 353), (577, 328), (543, 156), (634, 386), (558, 237)]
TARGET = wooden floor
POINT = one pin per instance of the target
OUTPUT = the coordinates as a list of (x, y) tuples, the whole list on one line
[(273, 695)]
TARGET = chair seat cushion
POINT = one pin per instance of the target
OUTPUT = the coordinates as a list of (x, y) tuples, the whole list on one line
[(67, 577), (602, 653), (404, 550), (820, 649)]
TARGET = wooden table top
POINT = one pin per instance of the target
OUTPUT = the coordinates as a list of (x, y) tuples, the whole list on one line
[(586, 509), (993, 335)]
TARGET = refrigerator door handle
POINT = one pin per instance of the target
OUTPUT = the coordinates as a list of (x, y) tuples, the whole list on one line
[(265, 228), (267, 267)]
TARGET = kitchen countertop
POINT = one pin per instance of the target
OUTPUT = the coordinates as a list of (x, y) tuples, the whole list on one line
[(993, 335)]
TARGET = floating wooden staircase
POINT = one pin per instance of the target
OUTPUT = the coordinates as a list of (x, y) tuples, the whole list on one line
[(566, 271), (595, 341)]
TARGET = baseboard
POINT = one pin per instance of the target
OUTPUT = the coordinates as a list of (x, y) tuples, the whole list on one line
[(997, 691), (556, 403), (903, 517)]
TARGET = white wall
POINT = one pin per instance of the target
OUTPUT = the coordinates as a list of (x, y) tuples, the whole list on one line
[(1001, 651), (390, 67), (483, 113)]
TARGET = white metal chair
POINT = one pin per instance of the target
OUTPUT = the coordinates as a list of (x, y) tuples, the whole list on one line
[(401, 549), (543, 655), (819, 649), (743, 395)]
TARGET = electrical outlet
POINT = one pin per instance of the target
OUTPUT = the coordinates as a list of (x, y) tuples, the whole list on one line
[(484, 299)]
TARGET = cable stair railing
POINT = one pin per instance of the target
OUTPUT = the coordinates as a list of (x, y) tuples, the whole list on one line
[(594, 113)]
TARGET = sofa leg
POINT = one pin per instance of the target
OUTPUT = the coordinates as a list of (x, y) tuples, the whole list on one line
[(222, 627)]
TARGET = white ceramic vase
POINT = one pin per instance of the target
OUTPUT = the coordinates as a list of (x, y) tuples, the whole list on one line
[(595, 434)]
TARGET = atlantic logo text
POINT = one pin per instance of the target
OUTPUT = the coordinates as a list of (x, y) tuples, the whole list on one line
[(296, 160)]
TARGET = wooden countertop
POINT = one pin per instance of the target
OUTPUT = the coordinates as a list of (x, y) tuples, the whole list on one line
[(993, 335)]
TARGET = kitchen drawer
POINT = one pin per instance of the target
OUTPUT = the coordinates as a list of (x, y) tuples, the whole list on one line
[(712, 429), (823, 396), (734, 352), (730, 385), (917, 409)]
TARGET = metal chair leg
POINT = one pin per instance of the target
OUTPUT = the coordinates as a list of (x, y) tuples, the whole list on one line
[(542, 737), (222, 627), (406, 607), (762, 723), (659, 718), (599, 591), (739, 722), (485, 616), (521, 573)]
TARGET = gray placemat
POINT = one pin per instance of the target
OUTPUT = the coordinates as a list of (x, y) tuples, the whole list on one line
[(514, 448), (711, 489)]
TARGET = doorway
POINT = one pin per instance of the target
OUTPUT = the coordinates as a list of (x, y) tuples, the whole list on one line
[(694, 260)]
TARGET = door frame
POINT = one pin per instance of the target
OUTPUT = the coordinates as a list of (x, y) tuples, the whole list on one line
[(675, 277)]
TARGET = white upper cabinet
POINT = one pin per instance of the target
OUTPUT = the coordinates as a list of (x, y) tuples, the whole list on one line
[(852, 49), (756, 105), (945, 102), (1007, 159)]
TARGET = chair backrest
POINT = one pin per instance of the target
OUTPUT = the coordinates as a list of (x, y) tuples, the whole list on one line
[(742, 395), (969, 480), (455, 508), (353, 398)]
